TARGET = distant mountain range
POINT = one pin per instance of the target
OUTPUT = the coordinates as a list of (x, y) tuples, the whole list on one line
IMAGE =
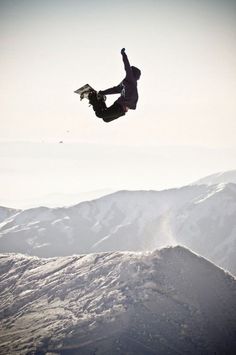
[(108, 276), (165, 302), (200, 217)]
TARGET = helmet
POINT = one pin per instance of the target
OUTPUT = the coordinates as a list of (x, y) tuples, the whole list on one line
[(136, 72)]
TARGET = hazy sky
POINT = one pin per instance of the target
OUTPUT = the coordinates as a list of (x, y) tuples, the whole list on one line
[(185, 49)]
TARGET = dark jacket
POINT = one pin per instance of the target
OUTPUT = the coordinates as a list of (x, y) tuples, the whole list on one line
[(127, 88)]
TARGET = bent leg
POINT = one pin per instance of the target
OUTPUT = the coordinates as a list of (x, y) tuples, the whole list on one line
[(98, 104), (111, 113), (108, 114)]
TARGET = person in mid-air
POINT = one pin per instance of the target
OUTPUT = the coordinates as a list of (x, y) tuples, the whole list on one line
[(128, 94)]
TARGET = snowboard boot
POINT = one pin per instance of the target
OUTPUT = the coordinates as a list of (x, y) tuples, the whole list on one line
[(92, 96), (97, 103), (101, 96)]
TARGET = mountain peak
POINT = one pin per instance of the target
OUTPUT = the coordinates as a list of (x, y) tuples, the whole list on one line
[(221, 177), (117, 302)]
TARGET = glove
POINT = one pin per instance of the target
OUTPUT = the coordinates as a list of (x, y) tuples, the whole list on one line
[(123, 51)]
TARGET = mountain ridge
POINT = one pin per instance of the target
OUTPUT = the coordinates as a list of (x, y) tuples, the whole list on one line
[(217, 178), (117, 302), (200, 217)]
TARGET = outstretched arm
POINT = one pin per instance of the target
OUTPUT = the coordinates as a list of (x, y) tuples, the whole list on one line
[(114, 90), (126, 63)]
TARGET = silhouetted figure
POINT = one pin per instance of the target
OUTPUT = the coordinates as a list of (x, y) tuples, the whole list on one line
[(127, 100)]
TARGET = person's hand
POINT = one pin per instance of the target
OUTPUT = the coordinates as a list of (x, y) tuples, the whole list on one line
[(122, 51)]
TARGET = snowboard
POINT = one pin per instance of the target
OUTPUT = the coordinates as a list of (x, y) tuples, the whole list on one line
[(84, 91)]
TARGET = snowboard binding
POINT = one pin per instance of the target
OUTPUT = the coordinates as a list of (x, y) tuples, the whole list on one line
[(85, 92)]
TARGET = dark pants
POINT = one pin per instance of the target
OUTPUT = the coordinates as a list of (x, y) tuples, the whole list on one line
[(108, 114)]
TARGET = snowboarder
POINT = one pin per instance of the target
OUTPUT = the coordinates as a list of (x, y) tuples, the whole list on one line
[(127, 100)]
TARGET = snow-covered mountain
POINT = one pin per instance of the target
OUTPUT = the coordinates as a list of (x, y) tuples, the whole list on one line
[(201, 217), (165, 302), (6, 213), (219, 178)]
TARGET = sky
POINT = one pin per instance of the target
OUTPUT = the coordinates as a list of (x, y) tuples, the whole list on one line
[(186, 51)]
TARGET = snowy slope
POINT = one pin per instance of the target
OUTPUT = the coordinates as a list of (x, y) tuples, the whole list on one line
[(219, 178), (109, 223), (207, 225), (165, 302), (6, 213), (203, 218)]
